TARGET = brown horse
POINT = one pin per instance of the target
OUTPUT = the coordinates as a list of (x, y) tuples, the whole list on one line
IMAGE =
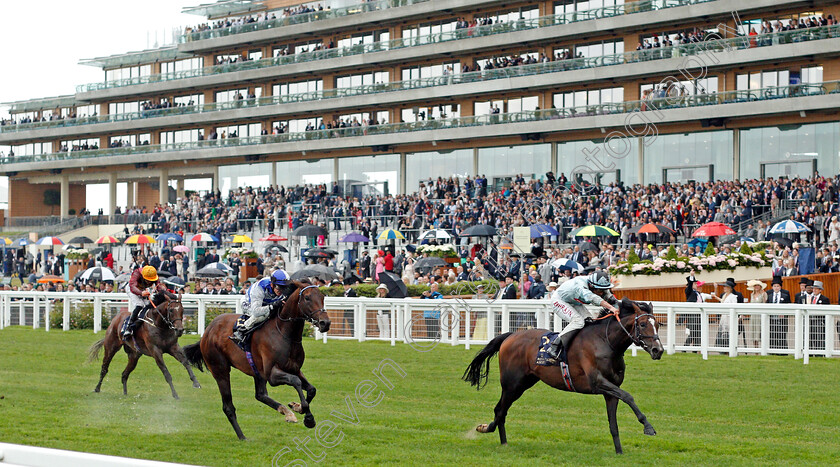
[(149, 339), (596, 363), (276, 348)]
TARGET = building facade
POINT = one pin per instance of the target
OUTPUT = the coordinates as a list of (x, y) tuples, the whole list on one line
[(380, 95)]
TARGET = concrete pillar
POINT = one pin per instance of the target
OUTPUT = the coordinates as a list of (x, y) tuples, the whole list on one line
[(65, 196), (112, 193), (272, 177), (215, 172), (736, 153), (180, 190), (403, 179), (131, 190), (163, 186)]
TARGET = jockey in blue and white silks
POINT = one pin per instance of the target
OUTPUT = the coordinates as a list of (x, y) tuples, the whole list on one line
[(569, 300), (259, 298)]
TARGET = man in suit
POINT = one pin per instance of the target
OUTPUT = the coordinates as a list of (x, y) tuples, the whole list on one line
[(778, 323), (805, 289), (817, 323), (692, 321), (507, 292), (365, 265)]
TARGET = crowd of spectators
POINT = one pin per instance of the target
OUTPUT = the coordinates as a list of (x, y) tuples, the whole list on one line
[(258, 18)]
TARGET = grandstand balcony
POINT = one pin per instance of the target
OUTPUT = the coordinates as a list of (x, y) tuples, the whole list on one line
[(715, 55), (715, 109)]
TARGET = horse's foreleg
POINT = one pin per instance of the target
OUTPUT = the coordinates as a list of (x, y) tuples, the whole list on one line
[(279, 377), (261, 394), (612, 405), (158, 356), (605, 387), (308, 388), (129, 367), (178, 353), (110, 350)]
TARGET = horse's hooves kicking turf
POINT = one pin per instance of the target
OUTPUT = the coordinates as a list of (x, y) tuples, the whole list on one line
[(483, 428), (295, 406)]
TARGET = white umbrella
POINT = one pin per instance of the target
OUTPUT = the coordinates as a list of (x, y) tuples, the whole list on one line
[(789, 227), (98, 274), (436, 234), (564, 263)]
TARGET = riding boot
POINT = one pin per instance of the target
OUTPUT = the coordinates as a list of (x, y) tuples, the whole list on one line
[(567, 338), (129, 328), (554, 350)]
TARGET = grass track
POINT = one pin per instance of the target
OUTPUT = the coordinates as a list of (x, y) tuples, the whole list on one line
[(741, 411)]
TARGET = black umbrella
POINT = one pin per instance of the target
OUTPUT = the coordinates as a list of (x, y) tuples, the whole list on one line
[(785, 242), (209, 271), (80, 240), (309, 230), (353, 279), (276, 249), (429, 263), (164, 274), (588, 246), (175, 282), (480, 230), (318, 271), (320, 253), (396, 287)]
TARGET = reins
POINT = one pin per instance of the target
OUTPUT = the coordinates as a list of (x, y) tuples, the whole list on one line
[(309, 318), (636, 338)]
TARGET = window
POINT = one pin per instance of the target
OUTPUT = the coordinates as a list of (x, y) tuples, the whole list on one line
[(683, 88), (426, 29), (308, 47), (762, 79), (79, 145), (86, 110), (430, 71), (380, 117), (309, 171), (182, 65), (298, 125), (194, 99), (115, 108), (513, 104), (239, 131), (509, 16), (598, 49), (369, 175), (570, 6), (128, 72), (179, 136), (425, 165), (365, 79), (812, 75), (232, 95), (32, 149), (129, 140), (532, 56), (364, 38), (590, 97), (418, 114), (299, 87)]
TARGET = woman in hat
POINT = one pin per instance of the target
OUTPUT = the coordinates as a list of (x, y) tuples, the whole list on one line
[(722, 339), (757, 295), (383, 320)]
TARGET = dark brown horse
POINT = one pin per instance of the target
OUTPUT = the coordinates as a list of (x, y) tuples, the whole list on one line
[(596, 363), (153, 340), (276, 348)]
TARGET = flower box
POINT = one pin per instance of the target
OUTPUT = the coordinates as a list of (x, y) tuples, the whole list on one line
[(673, 279)]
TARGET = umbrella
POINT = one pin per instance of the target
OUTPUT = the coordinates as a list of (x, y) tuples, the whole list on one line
[(50, 278), (273, 238), (207, 271), (396, 287), (175, 282), (695, 242), (318, 253), (164, 273), (594, 231), (106, 239), (182, 249), (309, 230), (241, 239), (564, 263), (522, 255), (588, 246), (21, 242), (390, 234), (480, 230), (49, 241), (204, 237), (81, 240), (651, 229), (317, 271), (139, 240), (354, 237), (789, 227), (122, 278), (97, 274), (435, 234), (785, 242), (713, 229), (275, 249), (5, 240), (170, 237), (219, 266), (543, 230), (429, 263)]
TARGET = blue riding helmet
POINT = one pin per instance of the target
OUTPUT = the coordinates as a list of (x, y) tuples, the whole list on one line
[(280, 277), (600, 280)]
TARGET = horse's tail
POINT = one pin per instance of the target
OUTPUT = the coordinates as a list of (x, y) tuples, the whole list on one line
[(476, 373), (193, 353), (93, 352)]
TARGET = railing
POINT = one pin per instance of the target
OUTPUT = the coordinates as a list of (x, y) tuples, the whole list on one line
[(663, 103), (747, 328), (20, 455), (467, 33), (682, 50)]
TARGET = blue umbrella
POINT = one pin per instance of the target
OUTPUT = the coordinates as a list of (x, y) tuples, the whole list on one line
[(354, 237), (564, 263), (789, 227), (170, 237), (543, 230), (695, 242), (20, 242)]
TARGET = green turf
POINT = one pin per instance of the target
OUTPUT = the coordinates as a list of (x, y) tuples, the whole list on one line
[(745, 410)]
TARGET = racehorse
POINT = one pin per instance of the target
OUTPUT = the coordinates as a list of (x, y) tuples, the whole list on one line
[(276, 349), (596, 363), (152, 339)]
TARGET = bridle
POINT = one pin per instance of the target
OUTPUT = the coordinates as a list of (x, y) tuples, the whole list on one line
[(637, 338), (165, 318), (309, 317)]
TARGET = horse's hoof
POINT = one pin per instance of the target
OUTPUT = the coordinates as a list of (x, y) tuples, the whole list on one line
[(196, 385), (96, 390), (291, 418), (309, 421), (176, 397), (481, 428), (244, 439), (296, 407), (650, 431)]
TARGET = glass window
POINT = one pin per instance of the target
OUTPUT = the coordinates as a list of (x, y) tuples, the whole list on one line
[(364, 79), (702, 157), (418, 114), (790, 150), (239, 131), (298, 87), (610, 160), (235, 176), (812, 75), (363, 175), (431, 71), (195, 99), (422, 166), (179, 136), (115, 108), (310, 171), (502, 164), (583, 98)]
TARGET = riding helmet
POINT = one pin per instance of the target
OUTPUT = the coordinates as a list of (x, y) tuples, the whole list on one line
[(600, 280), (279, 277)]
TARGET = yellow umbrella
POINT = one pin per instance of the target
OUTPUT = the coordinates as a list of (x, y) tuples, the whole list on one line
[(106, 239), (6, 240), (241, 239), (138, 239), (391, 234)]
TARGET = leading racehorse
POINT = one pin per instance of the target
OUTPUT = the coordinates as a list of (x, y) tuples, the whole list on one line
[(159, 334), (596, 363), (276, 349)]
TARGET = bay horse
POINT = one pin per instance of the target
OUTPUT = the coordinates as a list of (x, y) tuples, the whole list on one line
[(153, 340), (276, 348), (596, 363)]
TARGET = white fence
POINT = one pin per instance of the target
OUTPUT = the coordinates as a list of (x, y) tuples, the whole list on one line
[(800, 330), (16, 454)]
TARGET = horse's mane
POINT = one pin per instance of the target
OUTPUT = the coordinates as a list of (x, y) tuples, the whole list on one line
[(626, 307), (298, 285)]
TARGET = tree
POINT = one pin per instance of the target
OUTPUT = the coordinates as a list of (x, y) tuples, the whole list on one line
[(52, 198)]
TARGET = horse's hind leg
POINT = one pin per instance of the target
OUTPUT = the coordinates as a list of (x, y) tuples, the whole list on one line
[(178, 353), (262, 396), (111, 349), (612, 405), (512, 389), (129, 367), (223, 380)]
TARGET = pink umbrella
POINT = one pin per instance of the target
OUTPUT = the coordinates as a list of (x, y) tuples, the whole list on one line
[(182, 249)]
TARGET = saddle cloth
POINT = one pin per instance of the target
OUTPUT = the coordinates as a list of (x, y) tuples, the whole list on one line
[(140, 317), (544, 358), (245, 345)]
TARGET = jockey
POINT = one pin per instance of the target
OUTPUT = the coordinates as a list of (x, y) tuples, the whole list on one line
[(260, 297), (569, 299), (138, 295)]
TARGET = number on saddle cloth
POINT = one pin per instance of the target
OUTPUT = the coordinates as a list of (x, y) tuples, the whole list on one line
[(240, 324), (544, 358)]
